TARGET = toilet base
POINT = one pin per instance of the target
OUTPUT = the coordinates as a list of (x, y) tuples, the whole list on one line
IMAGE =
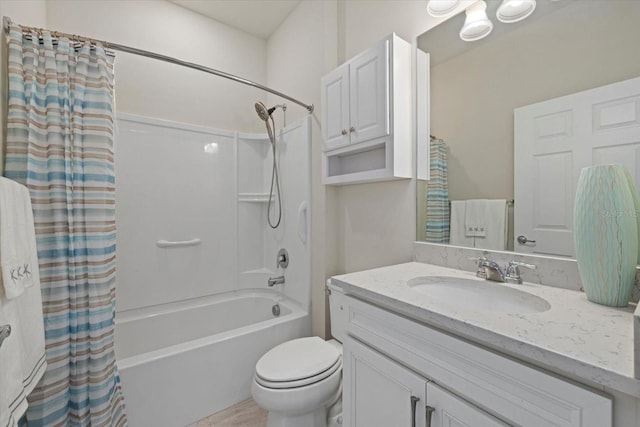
[(318, 418), (335, 421)]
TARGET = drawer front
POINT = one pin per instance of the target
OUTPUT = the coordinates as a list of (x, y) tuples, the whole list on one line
[(513, 391)]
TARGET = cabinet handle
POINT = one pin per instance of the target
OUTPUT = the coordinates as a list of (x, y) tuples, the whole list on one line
[(5, 331), (414, 402), (344, 131), (429, 411), (352, 129)]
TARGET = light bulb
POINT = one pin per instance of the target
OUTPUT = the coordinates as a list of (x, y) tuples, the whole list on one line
[(476, 24), (441, 8), (511, 11)]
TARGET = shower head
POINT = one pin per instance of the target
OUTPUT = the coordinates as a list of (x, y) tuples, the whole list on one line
[(263, 112)]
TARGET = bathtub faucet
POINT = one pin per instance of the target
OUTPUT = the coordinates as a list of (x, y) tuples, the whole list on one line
[(275, 280)]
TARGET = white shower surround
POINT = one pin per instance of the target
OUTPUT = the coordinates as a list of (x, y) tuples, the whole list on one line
[(193, 321), (170, 188)]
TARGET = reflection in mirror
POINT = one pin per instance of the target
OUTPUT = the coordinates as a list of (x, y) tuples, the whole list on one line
[(541, 73)]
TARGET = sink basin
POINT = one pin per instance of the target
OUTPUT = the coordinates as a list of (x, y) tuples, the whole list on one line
[(479, 295)]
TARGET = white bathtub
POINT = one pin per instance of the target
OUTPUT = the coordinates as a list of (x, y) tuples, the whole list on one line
[(181, 362)]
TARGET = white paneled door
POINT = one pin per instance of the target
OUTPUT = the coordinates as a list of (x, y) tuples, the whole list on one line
[(554, 140)]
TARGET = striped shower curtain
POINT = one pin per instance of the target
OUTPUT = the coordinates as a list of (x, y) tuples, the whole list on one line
[(437, 225), (60, 145)]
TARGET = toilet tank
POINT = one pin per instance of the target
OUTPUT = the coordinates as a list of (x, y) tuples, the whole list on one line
[(337, 312)]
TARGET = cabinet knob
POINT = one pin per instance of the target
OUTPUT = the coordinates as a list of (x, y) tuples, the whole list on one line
[(344, 131), (352, 129)]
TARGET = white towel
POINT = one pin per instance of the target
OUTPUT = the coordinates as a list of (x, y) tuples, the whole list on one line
[(475, 217), (22, 356), (495, 226), (457, 234), (17, 238)]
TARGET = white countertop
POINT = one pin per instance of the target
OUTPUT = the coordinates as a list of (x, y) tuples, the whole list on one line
[(574, 337)]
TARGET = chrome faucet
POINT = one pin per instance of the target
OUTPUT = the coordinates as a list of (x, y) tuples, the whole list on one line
[(490, 270), (275, 281)]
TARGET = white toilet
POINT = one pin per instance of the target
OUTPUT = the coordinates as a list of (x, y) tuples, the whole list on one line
[(300, 381)]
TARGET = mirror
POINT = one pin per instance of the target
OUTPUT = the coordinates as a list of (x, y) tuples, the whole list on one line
[(563, 48)]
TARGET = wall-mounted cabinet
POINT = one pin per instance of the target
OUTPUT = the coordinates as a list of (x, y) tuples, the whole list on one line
[(366, 116)]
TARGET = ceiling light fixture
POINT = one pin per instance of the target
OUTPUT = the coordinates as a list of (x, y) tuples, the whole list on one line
[(515, 10), (476, 25), (441, 8)]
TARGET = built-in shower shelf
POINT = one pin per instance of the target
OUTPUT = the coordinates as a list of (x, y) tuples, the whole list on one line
[(254, 197)]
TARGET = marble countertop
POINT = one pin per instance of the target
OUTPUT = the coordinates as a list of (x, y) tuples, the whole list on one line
[(574, 337)]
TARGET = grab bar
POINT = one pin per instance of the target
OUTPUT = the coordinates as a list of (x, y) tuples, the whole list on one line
[(5, 331), (178, 243)]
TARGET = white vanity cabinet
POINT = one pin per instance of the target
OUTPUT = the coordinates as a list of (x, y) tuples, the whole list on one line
[(381, 393), (366, 116), (388, 358)]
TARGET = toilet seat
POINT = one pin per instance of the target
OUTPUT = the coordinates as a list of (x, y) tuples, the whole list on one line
[(301, 382), (298, 363)]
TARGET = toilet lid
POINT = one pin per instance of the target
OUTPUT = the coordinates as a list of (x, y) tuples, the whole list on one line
[(337, 367), (297, 359)]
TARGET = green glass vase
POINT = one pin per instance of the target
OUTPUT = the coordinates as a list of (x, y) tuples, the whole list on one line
[(606, 234)]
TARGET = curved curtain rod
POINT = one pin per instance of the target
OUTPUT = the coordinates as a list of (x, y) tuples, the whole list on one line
[(6, 21)]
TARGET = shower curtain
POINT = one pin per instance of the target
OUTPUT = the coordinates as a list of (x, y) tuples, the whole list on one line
[(437, 224), (60, 145)]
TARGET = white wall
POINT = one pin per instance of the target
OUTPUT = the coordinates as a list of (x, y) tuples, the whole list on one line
[(376, 222), (153, 88), (301, 50)]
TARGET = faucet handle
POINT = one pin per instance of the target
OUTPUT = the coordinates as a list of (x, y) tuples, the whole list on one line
[(282, 259), (517, 264), (480, 262), (513, 271)]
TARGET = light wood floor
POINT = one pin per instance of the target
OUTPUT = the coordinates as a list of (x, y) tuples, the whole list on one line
[(243, 414)]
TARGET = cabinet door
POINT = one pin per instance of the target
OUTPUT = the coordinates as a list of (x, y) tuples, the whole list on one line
[(451, 411), (335, 108), (369, 94), (378, 392)]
